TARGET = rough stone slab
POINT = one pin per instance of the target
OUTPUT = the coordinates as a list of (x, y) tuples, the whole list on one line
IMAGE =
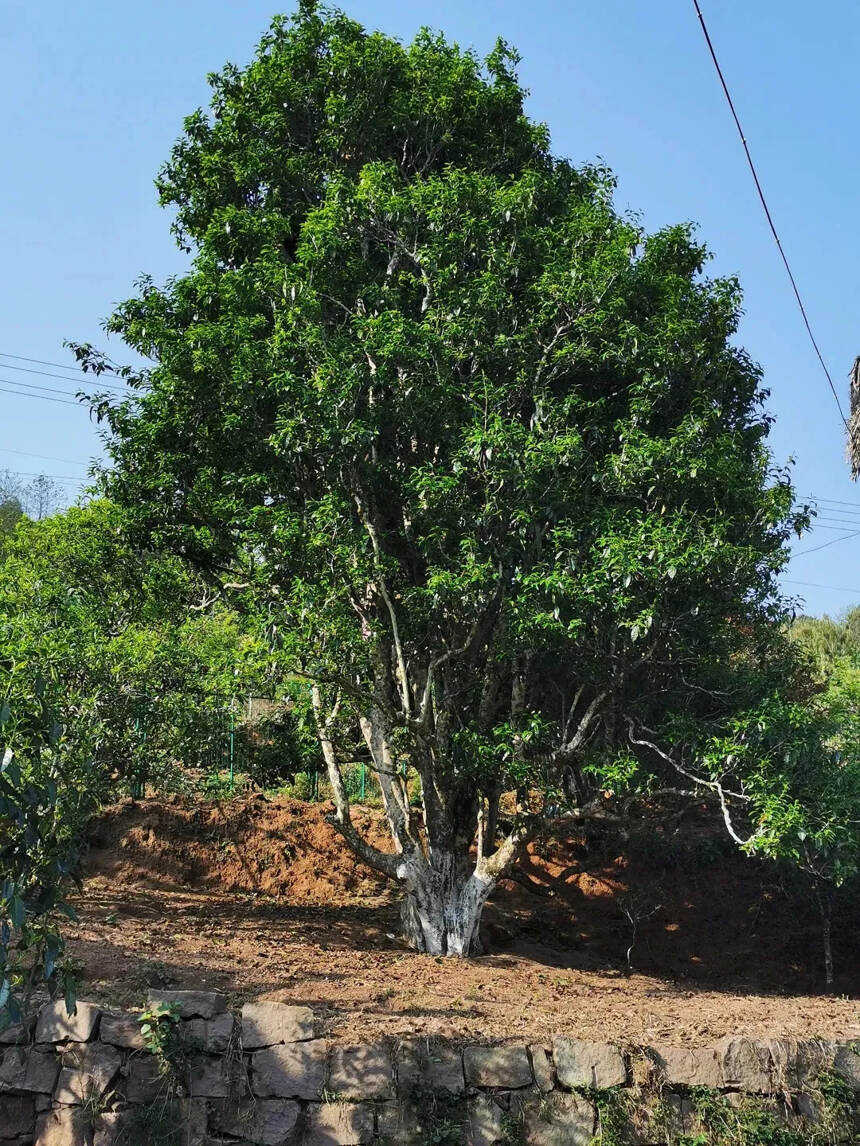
[(29, 1069), (542, 1067), (421, 1062), (400, 1124), (339, 1124), (56, 1025), (77, 1086), (846, 1061), (190, 1004), (64, 1126), (216, 1078), (113, 1128), (582, 1063), (211, 1035), (486, 1125), (507, 1067), (746, 1064), (296, 1070), (559, 1120), (665, 1119), (121, 1031), (268, 1121), (687, 1066), (796, 1063), (142, 1081), (96, 1059), (18, 1033), (362, 1072), (17, 1114), (267, 1024)]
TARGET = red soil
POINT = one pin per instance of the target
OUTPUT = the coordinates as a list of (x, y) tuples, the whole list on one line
[(262, 897)]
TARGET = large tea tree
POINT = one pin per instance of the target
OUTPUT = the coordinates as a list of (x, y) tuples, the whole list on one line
[(484, 451)]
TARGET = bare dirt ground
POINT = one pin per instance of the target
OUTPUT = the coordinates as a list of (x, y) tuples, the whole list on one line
[(261, 899)]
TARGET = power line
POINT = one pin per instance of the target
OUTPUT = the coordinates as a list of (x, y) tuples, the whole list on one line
[(84, 377), (815, 548), (36, 386), (835, 521), (53, 477), (44, 397), (816, 585), (40, 361), (768, 215), (44, 457), (834, 501), (48, 389)]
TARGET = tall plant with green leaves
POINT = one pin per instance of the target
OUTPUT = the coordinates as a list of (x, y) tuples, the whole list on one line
[(132, 657), (484, 452), (40, 820)]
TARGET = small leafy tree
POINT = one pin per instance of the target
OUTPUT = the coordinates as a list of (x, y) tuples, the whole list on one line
[(40, 821), (129, 659), (482, 451)]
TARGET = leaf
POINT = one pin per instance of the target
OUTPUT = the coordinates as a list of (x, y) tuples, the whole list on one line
[(671, 572)]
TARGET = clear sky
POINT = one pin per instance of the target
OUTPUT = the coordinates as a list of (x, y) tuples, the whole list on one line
[(93, 95)]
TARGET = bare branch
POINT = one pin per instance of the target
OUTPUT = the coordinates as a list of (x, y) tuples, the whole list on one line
[(381, 861), (711, 784)]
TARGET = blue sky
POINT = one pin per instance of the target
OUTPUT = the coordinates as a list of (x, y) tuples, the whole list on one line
[(94, 95)]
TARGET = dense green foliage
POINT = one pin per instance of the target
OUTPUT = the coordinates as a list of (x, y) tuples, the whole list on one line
[(40, 809), (482, 452)]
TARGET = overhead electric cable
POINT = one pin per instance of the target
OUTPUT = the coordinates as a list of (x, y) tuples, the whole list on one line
[(44, 457), (83, 378), (49, 389), (44, 397), (41, 362), (834, 501), (815, 548), (816, 585), (768, 215), (819, 521), (37, 386), (54, 477)]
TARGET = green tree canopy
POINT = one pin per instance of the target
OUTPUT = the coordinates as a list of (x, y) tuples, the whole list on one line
[(127, 660), (484, 450)]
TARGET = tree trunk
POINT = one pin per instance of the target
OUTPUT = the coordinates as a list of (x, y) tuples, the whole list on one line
[(442, 905)]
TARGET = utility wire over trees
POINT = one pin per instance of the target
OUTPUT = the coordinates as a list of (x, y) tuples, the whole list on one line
[(852, 424), (483, 453)]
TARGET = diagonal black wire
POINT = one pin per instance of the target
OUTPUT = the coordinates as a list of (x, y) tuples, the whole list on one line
[(816, 585), (815, 548), (768, 215), (44, 397)]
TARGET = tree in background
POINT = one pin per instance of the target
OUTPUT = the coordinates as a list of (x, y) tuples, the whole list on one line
[(820, 829), (483, 451), (37, 499), (40, 817), (133, 670)]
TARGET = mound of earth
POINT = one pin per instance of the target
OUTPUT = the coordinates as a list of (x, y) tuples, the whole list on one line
[(274, 847), (261, 898)]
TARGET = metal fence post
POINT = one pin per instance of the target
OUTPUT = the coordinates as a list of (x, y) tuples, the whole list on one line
[(232, 745)]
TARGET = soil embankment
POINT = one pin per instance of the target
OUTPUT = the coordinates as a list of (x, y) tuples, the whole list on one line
[(262, 898)]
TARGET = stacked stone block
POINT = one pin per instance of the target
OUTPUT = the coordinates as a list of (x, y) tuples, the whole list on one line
[(264, 1077)]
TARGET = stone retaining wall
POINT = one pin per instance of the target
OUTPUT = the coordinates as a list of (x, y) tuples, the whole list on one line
[(265, 1077)]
